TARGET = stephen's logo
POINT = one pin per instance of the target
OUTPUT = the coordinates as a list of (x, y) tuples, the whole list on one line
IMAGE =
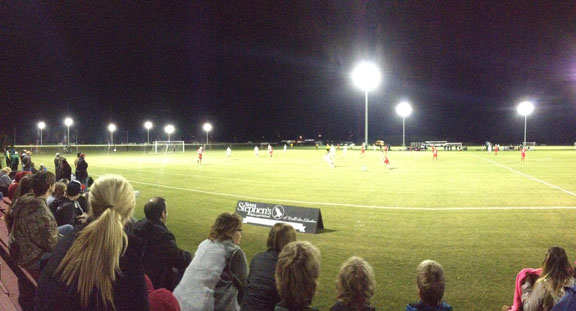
[(278, 212)]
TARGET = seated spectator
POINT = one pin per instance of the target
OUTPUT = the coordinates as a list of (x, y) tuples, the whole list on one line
[(355, 286), (216, 277), (98, 267), (161, 299), (163, 261), (59, 190), (297, 275), (14, 185), (549, 288), (261, 293), (24, 187), (5, 180), (568, 302), (67, 210), (431, 285)]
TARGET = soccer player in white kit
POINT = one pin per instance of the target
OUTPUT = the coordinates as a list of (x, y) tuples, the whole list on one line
[(228, 151), (256, 151)]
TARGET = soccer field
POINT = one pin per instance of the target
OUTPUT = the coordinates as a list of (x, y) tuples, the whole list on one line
[(483, 217)]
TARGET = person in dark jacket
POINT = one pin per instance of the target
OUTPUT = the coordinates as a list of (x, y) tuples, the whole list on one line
[(65, 169), (431, 285), (98, 267), (82, 169), (57, 165), (163, 261), (261, 293), (67, 210), (14, 161)]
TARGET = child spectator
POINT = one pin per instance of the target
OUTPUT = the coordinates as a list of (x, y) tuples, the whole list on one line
[(297, 275), (431, 285), (216, 277), (261, 293), (355, 286), (98, 267), (549, 288), (67, 210)]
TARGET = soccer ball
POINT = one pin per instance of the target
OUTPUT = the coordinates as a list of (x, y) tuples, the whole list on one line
[(364, 168)]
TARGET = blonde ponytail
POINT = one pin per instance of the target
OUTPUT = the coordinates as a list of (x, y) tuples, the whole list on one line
[(94, 258)]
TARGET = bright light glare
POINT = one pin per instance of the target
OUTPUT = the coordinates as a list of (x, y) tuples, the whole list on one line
[(169, 129), (404, 109), (112, 127), (207, 127), (41, 125), (68, 122), (366, 76), (148, 125), (525, 108)]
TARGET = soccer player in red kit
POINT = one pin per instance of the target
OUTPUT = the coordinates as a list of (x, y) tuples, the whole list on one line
[(435, 152), (496, 149), (363, 149), (523, 150), (200, 151)]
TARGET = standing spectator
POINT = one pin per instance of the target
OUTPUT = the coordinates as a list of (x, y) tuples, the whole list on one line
[(14, 161), (355, 286), (261, 293), (431, 285), (57, 165), (27, 161), (5, 180), (297, 275), (549, 288), (161, 256), (8, 156), (65, 169), (77, 159), (98, 267), (82, 169), (216, 277)]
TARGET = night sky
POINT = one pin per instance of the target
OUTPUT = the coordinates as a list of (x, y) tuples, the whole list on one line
[(267, 71)]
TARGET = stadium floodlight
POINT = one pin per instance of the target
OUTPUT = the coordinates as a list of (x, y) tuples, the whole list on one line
[(525, 108), (112, 129), (41, 126), (366, 76), (169, 129), (403, 109), (148, 126), (68, 122), (207, 128)]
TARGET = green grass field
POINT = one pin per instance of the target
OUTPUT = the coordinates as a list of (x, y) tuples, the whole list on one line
[(482, 217)]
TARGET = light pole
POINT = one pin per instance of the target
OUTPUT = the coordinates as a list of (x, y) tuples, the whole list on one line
[(169, 129), (41, 126), (68, 122), (112, 128), (207, 128), (148, 126), (403, 109), (525, 108), (366, 76)]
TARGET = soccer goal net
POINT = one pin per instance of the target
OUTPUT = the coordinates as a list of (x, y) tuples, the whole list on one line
[(169, 146)]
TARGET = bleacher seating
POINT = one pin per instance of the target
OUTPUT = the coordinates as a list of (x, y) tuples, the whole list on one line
[(10, 272)]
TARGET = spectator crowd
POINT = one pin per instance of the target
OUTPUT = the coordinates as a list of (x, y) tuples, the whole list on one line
[(79, 239)]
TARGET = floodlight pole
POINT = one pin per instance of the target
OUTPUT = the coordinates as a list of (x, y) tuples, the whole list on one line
[(206, 138), (403, 132), (40, 137), (148, 136), (366, 121), (68, 126), (168, 138), (525, 118)]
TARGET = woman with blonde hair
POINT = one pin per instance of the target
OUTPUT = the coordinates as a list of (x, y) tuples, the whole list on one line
[(216, 277), (98, 267), (549, 288), (261, 293), (297, 275), (355, 286)]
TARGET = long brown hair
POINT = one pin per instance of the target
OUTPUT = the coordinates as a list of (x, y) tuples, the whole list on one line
[(355, 283), (556, 270), (94, 258)]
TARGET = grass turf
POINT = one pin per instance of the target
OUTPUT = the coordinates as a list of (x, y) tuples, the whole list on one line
[(483, 217)]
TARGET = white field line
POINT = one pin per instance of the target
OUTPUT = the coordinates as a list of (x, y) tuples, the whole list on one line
[(312, 203), (528, 176)]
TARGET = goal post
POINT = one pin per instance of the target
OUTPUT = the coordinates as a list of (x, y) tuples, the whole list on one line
[(169, 146)]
